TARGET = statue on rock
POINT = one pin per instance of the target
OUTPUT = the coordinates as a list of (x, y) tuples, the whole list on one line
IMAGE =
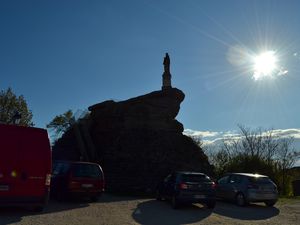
[(167, 63), (166, 75)]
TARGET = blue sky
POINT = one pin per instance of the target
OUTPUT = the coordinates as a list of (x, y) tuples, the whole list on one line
[(72, 54)]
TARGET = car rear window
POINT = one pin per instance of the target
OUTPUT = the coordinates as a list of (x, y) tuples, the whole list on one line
[(195, 178), (259, 180), (60, 168), (86, 170)]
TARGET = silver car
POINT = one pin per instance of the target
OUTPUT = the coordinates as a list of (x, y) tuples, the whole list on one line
[(244, 188)]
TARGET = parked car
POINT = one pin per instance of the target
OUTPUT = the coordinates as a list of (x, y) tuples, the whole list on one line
[(187, 187), (244, 188), (77, 179), (25, 166)]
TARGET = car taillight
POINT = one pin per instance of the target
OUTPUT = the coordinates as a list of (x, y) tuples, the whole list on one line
[(74, 185), (48, 179), (213, 185), (252, 186), (183, 186)]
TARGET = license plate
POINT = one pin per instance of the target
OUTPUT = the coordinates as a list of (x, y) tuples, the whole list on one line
[(4, 187), (87, 185), (199, 196)]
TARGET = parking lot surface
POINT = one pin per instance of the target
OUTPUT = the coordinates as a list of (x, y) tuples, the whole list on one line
[(116, 210)]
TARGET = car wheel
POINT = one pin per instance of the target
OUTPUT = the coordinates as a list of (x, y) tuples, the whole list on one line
[(270, 203), (38, 209), (211, 204), (174, 203), (240, 199), (94, 199), (158, 195), (60, 196)]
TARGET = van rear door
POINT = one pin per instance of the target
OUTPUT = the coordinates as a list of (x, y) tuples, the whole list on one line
[(35, 163)]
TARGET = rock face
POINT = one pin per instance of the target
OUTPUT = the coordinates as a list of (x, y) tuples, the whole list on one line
[(154, 111), (138, 141)]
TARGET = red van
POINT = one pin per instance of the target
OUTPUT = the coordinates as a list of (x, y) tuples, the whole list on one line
[(25, 166), (77, 179)]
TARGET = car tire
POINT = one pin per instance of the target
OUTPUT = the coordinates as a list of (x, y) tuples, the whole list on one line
[(270, 203), (158, 196), (38, 209), (240, 199), (94, 199), (211, 204), (61, 196), (174, 202)]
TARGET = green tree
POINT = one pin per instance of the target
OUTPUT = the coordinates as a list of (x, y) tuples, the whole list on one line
[(10, 104), (61, 123)]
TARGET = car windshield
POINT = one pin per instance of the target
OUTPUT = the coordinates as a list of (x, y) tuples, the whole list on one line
[(86, 170), (195, 178)]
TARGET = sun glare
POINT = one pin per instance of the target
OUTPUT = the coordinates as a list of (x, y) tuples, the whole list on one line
[(264, 65), (268, 65)]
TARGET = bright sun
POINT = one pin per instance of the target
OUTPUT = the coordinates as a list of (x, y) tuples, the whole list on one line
[(267, 65), (264, 65)]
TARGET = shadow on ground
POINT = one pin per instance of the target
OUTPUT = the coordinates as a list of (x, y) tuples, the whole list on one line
[(160, 212), (9, 215), (250, 212), (157, 212), (107, 198)]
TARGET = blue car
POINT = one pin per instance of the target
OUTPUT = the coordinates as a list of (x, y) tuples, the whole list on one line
[(187, 187)]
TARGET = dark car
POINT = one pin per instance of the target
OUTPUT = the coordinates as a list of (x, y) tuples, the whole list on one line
[(187, 187), (244, 188), (77, 179)]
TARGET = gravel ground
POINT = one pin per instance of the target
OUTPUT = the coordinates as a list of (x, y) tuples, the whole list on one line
[(116, 210)]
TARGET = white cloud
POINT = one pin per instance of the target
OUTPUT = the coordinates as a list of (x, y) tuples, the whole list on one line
[(284, 133), (276, 73), (282, 72), (214, 136), (211, 138), (200, 134), (208, 143), (214, 139)]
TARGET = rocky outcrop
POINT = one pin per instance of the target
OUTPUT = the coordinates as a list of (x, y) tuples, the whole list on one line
[(154, 111), (139, 141)]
